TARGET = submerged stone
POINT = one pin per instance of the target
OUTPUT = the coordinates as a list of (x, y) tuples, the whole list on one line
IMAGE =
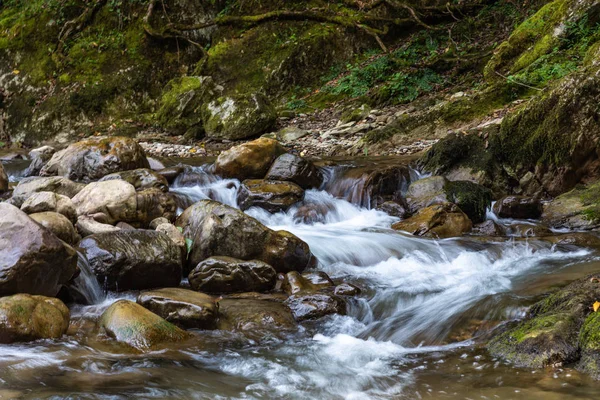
[(184, 308), (130, 323)]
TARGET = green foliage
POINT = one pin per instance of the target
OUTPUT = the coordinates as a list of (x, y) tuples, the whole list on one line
[(404, 88)]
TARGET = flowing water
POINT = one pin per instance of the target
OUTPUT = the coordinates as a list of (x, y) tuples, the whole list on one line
[(407, 336)]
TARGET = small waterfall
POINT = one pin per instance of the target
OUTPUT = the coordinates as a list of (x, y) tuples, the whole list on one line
[(86, 286), (199, 183)]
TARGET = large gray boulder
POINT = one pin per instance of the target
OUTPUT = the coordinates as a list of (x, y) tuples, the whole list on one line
[(214, 229), (39, 157), (32, 259), (50, 202), (54, 184), (92, 159), (133, 259)]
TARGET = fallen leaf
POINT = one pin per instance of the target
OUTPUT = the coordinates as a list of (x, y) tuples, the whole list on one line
[(596, 306), (16, 72)]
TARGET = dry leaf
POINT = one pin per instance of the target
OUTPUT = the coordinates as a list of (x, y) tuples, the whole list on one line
[(596, 306), (16, 72)]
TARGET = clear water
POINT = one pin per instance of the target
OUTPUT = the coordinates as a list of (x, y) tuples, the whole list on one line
[(408, 335)]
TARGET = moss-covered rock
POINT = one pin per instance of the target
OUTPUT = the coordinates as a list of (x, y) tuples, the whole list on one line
[(472, 198), (130, 323), (589, 343), (24, 317), (577, 209), (552, 332), (237, 117)]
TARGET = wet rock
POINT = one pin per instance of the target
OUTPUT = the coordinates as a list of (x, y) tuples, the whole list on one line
[(230, 275), (238, 117), (589, 344), (528, 230), (94, 158), (255, 317), (184, 308), (131, 260), (438, 221), (312, 213), (249, 160), (24, 318), (173, 233), (575, 210), (395, 209), (55, 184), (518, 207), (171, 173), (346, 289), (39, 157), (117, 201), (141, 178), (130, 323), (214, 229), (3, 179), (311, 282), (370, 186), (289, 167), (550, 334), (317, 305), (48, 201), (158, 221), (273, 196), (579, 239), (124, 226), (472, 198), (155, 165), (87, 226), (489, 228), (57, 224), (426, 192), (32, 259)]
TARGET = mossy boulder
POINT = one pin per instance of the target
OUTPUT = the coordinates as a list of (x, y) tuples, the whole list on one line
[(589, 342), (24, 318), (472, 198), (437, 221), (181, 104), (554, 331), (249, 160), (536, 37), (130, 323), (237, 117), (92, 159), (273, 196), (577, 209)]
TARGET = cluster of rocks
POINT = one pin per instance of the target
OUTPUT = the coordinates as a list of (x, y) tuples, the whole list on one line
[(100, 197), (157, 149)]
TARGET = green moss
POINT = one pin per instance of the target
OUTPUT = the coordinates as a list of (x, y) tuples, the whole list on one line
[(473, 199), (589, 337)]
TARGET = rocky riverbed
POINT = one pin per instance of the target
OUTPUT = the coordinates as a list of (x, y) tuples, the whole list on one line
[(274, 275)]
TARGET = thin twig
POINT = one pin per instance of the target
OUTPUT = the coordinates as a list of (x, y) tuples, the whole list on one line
[(518, 83)]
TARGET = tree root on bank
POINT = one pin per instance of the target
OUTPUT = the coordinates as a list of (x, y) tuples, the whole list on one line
[(77, 24)]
